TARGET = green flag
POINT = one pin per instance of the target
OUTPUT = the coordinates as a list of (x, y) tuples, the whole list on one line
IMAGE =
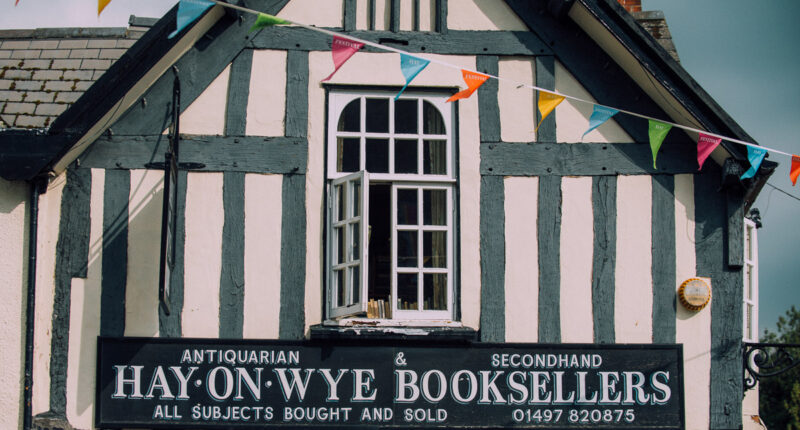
[(657, 131), (265, 20)]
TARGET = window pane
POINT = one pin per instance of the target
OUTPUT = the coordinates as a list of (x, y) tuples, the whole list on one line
[(340, 293), (378, 115), (355, 277), (435, 291), (340, 206), (378, 155), (340, 251), (434, 157), (347, 154), (405, 156), (435, 248), (433, 121), (351, 117), (405, 116), (407, 207), (407, 291), (355, 238), (356, 190), (407, 249), (434, 207)]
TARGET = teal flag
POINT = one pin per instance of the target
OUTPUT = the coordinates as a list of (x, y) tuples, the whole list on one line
[(188, 11), (755, 156), (600, 114), (657, 131), (410, 66)]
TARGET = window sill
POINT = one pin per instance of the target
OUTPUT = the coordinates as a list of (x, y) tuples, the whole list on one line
[(440, 331)]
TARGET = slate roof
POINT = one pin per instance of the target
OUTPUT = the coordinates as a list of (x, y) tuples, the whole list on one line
[(44, 71)]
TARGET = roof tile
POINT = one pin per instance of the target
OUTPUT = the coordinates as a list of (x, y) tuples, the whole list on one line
[(66, 64), (5, 53), (48, 75), (16, 44), (55, 53), (81, 75), (68, 96), (11, 96), (5, 84), (96, 64), (17, 74), (26, 53), (40, 97), (73, 44), (19, 108), (59, 85), (24, 85), (30, 64), (84, 53), (44, 44), (102, 43), (24, 121), (112, 53), (51, 109)]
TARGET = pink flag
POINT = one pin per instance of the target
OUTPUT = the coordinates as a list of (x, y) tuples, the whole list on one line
[(342, 49), (705, 146)]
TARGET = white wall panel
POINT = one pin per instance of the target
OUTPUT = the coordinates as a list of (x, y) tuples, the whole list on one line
[(518, 109), (206, 115), (577, 243), (266, 104), (482, 15), (327, 13), (522, 259)]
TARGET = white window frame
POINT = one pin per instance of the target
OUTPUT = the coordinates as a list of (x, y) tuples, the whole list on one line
[(750, 287), (355, 313)]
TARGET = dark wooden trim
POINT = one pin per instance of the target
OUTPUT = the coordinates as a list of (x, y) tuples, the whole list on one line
[(394, 16), (493, 261), (72, 260), (583, 159), (116, 197), (664, 258), (350, 8), (548, 225), (247, 154), (604, 209), (171, 325), (297, 94), (441, 16), (735, 230), (238, 94), (545, 78), (415, 15), (231, 285), (488, 104), (293, 258), (454, 42)]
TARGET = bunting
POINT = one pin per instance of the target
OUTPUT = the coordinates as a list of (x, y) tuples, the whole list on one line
[(101, 4), (795, 170), (657, 131), (267, 20), (600, 114), (705, 146), (16, 3), (755, 156), (473, 80), (342, 49), (188, 12), (547, 102), (410, 66)]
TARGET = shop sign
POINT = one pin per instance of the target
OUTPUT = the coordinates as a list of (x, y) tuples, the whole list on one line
[(207, 383)]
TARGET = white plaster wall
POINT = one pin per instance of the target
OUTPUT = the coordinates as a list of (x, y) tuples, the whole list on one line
[(266, 105), (577, 249), (633, 295), (427, 15), (522, 259), (202, 255), (382, 10), (406, 15), (84, 318), (13, 278), (362, 18), (144, 252), (572, 117), (206, 115), (692, 329), (518, 107), (750, 410), (327, 13), (262, 255), (482, 15)]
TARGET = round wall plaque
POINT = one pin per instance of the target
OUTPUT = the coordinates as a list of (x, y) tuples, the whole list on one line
[(694, 294)]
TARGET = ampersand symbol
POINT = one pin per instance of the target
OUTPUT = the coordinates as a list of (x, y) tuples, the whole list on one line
[(400, 359)]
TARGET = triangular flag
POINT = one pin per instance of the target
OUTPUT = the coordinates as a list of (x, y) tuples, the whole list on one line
[(188, 11), (342, 49), (101, 4), (755, 156), (266, 20), (410, 66), (795, 170), (657, 131), (16, 3), (600, 114), (705, 146), (547, 102), (474, 80)]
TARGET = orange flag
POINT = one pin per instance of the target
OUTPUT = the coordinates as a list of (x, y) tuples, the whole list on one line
[(547, 102), (474, 80), (795, 171), (101, 4), (16, 3)]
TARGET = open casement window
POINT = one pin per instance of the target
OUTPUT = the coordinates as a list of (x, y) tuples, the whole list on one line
[(396, 158), (750, 295)]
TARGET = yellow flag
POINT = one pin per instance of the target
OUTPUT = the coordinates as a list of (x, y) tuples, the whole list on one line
[(547, 102), (101, 4)]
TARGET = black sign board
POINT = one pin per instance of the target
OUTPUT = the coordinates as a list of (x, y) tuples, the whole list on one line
[(207, 383)]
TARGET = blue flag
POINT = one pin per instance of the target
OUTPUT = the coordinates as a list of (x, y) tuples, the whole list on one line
[(188, 11), (755, 156), (600, 114), (410, 66)]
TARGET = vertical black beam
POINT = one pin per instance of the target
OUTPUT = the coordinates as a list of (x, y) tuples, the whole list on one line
[(371, 15), (549, 231), (293, 258), (231, 286), (487, 99), (604, 205), (115, 252), (664, 259), (545, 78), (238, 94), (170, 325), (735, 229), (394, 16), (415, 14), (441, 16), (72, 260), (350, 15), (726, 304), (493, 261), (297, 94)]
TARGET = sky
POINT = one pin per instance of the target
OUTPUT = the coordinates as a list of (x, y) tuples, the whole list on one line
[(741, 52)]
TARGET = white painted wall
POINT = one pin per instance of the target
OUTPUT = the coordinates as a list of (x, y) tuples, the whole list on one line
[(13, 278), (577, 250), (406, 15), (206, 115), (362, 17), (518, 106), (522, 259), (266, 104), (427, 15), (482, 15), (327, 13)]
